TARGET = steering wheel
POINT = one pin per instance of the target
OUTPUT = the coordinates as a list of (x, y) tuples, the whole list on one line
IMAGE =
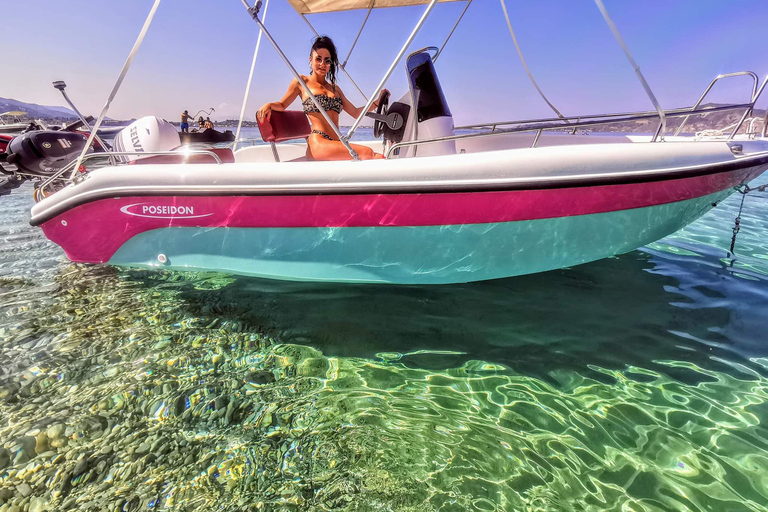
[(381, 110)]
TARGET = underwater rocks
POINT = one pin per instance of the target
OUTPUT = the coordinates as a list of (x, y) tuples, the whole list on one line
[(136, 397), (203, 417)]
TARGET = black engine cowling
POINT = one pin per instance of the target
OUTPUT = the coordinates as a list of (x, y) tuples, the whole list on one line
[(42, 153)]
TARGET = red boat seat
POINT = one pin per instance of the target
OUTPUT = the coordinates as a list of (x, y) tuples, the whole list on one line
[(286, 125), (225, 155)]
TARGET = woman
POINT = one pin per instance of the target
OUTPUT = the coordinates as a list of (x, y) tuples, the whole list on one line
[(322, 143)]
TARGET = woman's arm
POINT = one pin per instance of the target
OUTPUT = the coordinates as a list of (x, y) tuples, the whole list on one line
[(349, 108), (294, 90)]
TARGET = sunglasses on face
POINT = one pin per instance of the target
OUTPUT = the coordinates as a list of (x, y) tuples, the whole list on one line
[(319, 60)]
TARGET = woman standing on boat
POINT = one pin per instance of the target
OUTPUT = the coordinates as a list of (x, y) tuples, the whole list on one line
[(322, 143)]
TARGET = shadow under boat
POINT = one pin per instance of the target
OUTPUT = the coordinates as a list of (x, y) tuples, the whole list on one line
[(609, 314)]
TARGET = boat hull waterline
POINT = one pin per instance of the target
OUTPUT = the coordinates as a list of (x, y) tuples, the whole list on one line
[(406, 238)]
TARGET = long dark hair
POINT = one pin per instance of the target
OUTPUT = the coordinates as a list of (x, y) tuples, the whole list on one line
[(327, 43)]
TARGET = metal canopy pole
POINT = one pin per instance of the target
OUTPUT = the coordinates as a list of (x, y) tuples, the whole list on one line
[(248, 85), (400, 54), (342, 66), (117, 85), (663, 128), (525, 65), (254, 12), (60, 86), (365, 20), (452, 30)]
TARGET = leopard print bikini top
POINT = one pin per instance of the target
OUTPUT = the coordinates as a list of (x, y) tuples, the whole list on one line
[(328, 103)]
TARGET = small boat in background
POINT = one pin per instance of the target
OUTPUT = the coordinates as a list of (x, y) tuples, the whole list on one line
[(10, 122), (209, 136)]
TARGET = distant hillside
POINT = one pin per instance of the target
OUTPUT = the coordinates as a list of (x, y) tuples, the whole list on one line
[(36, 111), (698, 123)]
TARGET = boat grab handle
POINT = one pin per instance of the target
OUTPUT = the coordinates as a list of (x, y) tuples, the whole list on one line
[(753, 97), (156, 153)]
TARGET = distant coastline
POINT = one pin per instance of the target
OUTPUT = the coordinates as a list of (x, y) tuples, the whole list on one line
[(698, 123)]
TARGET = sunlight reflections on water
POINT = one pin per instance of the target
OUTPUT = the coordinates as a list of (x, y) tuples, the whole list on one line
[(633, 383)]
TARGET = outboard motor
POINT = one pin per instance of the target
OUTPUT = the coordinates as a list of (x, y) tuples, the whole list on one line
[(42, 153), (146, 135)]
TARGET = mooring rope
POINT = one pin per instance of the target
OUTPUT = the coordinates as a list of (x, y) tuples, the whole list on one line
[(743, 190)]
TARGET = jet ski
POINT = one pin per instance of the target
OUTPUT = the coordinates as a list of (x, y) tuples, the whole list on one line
[(38, 154)]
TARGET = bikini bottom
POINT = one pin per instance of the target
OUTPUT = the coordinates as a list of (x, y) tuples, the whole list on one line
[(322, 134)]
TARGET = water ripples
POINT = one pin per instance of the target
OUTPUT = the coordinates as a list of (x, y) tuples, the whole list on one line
[(634, 383)]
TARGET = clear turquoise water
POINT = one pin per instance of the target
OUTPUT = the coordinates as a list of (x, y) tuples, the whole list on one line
[(633, 383)]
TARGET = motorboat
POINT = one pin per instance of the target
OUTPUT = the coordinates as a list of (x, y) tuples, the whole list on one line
[(209, 136), (10, 122), (447, 205)]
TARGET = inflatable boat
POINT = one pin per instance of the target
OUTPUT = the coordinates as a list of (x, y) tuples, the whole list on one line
[(209, 136), (445, 206)]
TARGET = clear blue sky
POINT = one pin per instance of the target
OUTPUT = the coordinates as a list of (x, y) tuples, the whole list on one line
[(198, 53)]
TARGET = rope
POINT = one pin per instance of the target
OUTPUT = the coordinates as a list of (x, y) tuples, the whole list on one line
[(250, 79), (737, 222), (525, 65), (743, 190), (721, 132), (119, 82)]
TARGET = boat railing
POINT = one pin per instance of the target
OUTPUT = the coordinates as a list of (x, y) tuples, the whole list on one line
[(765, 124), (753, 97), (70, 167), (566, 123), (252, 140)]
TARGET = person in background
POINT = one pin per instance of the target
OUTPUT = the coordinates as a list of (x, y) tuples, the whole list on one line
[(184, 125), (200, 123), (208, 125)]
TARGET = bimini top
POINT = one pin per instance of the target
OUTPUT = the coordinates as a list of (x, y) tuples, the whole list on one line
[(318, 6)]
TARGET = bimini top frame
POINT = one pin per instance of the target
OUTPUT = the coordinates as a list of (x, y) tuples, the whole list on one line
[(304, 7), (254, 12)]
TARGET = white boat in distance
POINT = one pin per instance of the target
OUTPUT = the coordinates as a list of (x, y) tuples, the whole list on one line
[(10, 122), (445, 206)]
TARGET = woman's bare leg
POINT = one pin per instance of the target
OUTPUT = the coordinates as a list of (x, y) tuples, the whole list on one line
[(324, 149)]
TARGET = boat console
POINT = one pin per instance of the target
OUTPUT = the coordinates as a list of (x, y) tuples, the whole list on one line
[(432, 117)]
